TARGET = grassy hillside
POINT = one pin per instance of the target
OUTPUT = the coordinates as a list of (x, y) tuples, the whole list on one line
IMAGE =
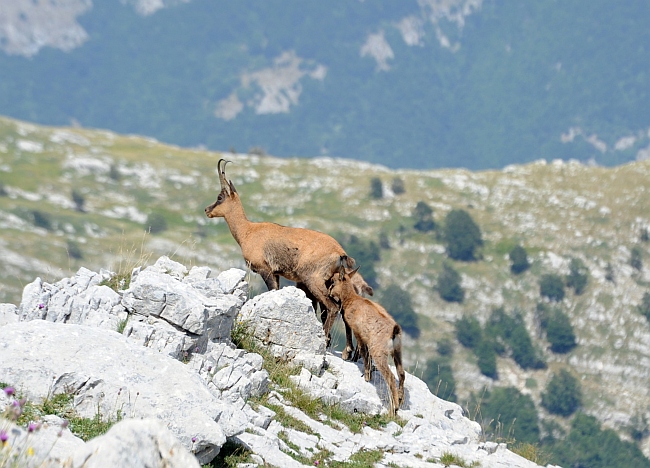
[(556, 211)]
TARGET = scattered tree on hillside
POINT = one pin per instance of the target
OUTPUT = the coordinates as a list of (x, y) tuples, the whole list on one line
[(519, 258), (506, 411), (578, 276), (423, 216), (636, 258), (468, 331), (487, 358), (376, 188), (398, 186), (551, 286), (448, 285), (42, 219), (644, 307), (398, 303), (644, 236), (507, 332), (563, 395), (3, 190), (445, 348), (74, 251), (156, 223), (114, 173), (609, 273), (384, 241), (78, 200), (559, 332), (462, 236)]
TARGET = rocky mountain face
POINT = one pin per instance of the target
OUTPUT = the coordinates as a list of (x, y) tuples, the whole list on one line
[(73, 197), (159, 355)]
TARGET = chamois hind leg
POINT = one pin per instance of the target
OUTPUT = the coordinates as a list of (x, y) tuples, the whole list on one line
[(397, 358), (382, 366), (362, 349)]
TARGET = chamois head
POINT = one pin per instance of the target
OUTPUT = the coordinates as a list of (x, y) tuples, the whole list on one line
[(219, 208), (343, 279)]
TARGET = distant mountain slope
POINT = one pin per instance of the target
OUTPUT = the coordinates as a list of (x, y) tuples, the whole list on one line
[(72, 197), (419, 84)]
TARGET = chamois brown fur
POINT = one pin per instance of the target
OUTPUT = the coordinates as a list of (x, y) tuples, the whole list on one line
[(307, 257), (378, 334)]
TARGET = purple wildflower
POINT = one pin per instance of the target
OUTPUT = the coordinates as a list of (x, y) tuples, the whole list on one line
[(32, 427), (41, 306), (64, 424), (9, 391), (3, 436), (193, 439)]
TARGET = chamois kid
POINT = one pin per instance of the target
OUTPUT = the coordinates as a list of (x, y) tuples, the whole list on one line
[(310, 258), (378, 334)]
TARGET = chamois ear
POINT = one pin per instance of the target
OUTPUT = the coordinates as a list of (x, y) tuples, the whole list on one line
[(232, 186), (341, 273), (353, 272)]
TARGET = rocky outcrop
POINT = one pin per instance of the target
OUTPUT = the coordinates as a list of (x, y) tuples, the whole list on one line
[(182, 387)]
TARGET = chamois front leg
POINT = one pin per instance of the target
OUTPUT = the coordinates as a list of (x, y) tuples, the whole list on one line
[(272, 281), (320, 293), (349, 353)]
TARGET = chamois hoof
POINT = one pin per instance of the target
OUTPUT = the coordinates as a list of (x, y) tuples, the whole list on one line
[(349, 355)]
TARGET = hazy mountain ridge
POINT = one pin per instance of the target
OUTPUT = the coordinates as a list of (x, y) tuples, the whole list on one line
[(555, 210), (421, 84)]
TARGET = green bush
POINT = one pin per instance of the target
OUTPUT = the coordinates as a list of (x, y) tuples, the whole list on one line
[(74, 251), (487, 358), (445, 348), (423, 216), (559, 332), (506, 412), (552, 287), (468, 331), (563, 395), (578, 276), (636, 258), (644, 307), (156, 223), (519, 258), (440, 379), (398, 303), (366, 253), (587, 445), (42, 219), (509, 333), (376, 188), (449, 286), (78, 199), (398, 186), (462, 235)]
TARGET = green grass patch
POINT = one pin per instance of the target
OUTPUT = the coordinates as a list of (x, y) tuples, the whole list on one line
[(230, 456)]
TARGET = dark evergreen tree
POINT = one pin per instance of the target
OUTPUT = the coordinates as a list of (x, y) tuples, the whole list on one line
[(636, 258), (398, 303), (376, 188), (578, 276), (563, 395), (559, 332), (445, 348), (552, 287), (513, 411), (519, 258), (523, 351), (440, 379), (609, 273), (78, 200), (462, 236), (42, 219), (487, 358), (74, 251), (468, 331), (449, 286), (156, 223), (644, 307), (398, 186), (423, 216)]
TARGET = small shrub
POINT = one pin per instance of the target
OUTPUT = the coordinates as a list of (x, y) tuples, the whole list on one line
[(114, 173), (468, 331), (79, 200), (487, 358), (644, 307), (551, 286), (398, 303), (376, 188), (519, 258), (231, 455), (445, 347), (74, 251), (449, 286), (636, 258), (578, 276), (156, 223), (440, 379), (397, 186), (559, 332), (42, 219), (3, 190), (644, 236), (609, 273), (563, 395), (423, 216)]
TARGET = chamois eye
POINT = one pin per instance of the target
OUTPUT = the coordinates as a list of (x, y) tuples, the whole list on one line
[(220, 197)]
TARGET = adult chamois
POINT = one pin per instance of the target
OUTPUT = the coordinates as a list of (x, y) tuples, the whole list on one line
[(310, 258), (378, 334)]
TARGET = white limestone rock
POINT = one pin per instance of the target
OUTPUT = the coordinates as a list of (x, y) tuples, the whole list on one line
[(107, 372), (8, 314)]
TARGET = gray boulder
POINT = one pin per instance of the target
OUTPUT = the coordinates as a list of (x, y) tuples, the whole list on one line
[(8, 314), (134, 444), (284, 320), (108, 373)]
